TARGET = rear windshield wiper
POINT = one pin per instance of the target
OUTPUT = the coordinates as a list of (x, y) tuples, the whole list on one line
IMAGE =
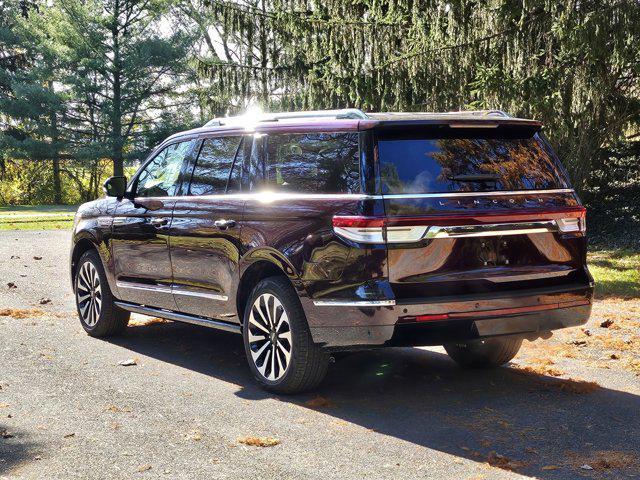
[(480, 177)]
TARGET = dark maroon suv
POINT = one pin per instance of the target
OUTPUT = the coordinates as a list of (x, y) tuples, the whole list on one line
[(316, 232)]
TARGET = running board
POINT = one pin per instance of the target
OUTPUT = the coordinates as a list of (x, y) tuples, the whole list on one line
[(179, 317)]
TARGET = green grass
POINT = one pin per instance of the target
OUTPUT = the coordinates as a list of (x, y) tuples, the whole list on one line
[(616, 272), (36, 209), (37, 217)]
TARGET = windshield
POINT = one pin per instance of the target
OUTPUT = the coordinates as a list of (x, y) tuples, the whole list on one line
[(411, 163)]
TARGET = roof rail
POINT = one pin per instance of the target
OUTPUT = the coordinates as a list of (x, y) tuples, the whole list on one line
[(346, 113), (494, 113)]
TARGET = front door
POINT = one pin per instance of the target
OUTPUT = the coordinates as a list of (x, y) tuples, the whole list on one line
[(141, 229), (205, 233)]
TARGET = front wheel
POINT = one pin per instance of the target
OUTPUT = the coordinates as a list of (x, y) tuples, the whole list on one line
[(99, 315), (277, 340), (487, 353)]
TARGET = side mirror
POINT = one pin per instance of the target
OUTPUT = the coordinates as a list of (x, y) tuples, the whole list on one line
[(115, 186)]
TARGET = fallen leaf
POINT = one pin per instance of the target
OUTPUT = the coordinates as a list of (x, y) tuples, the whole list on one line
[(145, 321), (318, 402), (195, 435), (4, 405), (259, 441), (20, 313), (550, 467), (144, 468), (500, 461), (127, 363)]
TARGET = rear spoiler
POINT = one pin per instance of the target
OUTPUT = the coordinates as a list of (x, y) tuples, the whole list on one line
[(454, 123)]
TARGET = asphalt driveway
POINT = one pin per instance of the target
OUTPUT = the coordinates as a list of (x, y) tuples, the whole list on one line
[(69, 410)]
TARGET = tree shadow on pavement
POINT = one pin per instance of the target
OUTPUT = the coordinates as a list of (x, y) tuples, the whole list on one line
[(15, 449), (536, 425)]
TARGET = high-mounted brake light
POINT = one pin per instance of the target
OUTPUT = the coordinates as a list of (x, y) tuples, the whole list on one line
[(374, 230)]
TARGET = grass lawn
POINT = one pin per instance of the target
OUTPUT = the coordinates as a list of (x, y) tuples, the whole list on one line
[(37, 217), (616, 272)]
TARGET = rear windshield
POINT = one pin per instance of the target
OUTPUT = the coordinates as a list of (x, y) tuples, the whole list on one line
[(420, 163)]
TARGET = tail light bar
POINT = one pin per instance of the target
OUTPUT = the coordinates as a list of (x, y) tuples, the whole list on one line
[(374, 230)]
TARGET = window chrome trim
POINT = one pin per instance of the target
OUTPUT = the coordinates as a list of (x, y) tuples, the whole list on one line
[(477, 194), (275, 196), (354, 303)]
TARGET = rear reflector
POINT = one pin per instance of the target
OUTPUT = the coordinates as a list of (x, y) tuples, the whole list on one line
[(375, 230)]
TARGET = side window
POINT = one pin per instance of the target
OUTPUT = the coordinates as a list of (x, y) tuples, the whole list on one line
[(159, 178), (314, 163), (213, 165)]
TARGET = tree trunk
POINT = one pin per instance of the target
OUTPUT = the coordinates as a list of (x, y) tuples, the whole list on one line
[(55, 154), (57, 186), (116, 117)]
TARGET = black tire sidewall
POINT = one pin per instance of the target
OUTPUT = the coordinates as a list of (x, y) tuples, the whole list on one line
[(293, 311), (107, 306)]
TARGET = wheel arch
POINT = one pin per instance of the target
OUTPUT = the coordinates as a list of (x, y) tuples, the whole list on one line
[(261, 264), (82, 245)]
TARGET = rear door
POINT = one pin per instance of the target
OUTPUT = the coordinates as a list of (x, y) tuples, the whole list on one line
[(141, 227), (205, 232), (474, 210)]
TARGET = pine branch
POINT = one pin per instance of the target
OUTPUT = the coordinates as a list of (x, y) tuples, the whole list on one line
[(303, 16)]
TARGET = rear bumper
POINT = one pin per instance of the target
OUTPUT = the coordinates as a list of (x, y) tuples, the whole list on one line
[(531, 314)]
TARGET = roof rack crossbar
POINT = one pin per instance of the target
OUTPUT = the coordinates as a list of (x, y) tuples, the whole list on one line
[(346, 113)]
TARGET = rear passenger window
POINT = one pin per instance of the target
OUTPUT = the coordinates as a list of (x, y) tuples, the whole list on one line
[(211, 172), (313, 163)]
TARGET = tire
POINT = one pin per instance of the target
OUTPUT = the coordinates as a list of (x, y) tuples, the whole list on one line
[(298, 364), (488, 353), (98, 314)]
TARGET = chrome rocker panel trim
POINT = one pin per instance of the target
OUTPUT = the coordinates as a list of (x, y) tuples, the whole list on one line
[(179, 317)]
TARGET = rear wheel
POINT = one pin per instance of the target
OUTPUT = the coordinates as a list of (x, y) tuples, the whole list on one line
[(98, 314), (277, 340), (487, 353)]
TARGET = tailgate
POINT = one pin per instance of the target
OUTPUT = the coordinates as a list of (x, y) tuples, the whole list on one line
[(476, 210)]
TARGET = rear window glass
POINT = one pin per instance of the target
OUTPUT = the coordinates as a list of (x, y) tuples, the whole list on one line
[(313, 163), (419, 164)]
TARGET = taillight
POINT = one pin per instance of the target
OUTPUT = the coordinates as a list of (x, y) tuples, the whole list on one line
[(373, 230), (575, 223), (360, 229)]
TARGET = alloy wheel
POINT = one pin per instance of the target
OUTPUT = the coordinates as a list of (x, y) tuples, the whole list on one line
[(88, 294), (270, 337)]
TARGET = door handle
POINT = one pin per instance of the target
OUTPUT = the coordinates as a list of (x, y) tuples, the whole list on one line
[(159, 222), (223, 224)]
